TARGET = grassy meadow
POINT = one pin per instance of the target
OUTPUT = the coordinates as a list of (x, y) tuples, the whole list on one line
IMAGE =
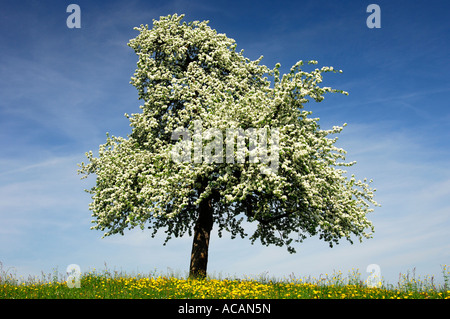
[(117, 285)]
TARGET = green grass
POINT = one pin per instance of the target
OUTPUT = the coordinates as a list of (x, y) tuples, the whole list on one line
[(110, 285)]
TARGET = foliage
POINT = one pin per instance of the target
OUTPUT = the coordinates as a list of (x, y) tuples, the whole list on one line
[(188, 72)]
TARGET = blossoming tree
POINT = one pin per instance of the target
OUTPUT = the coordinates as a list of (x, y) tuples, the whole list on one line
[(188, 73)]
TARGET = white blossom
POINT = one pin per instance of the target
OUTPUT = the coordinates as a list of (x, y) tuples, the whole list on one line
[(187, 72)]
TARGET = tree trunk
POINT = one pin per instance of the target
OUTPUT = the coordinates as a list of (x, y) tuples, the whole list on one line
[(200, 244)]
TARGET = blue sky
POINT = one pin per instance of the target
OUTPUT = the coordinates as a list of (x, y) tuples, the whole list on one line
[(62, 89)]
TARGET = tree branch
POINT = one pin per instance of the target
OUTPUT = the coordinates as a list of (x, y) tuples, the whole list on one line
[(272, 219)]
